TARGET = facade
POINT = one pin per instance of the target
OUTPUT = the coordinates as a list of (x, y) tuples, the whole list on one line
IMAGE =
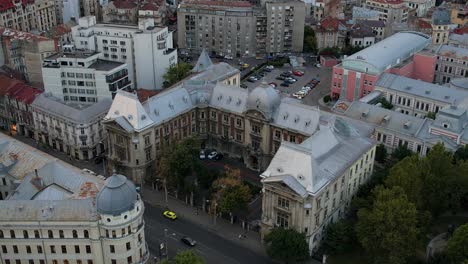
[(330, 32), (421, 7), (24, 52), (390, 11), (415, 97), (92, 8), (239, 29), (80, 76), (440, 23), (377, 26), (452, 63), (360, 13), (459, 15), (70, 128), (310, 185), (60, 213), (61, 34), (401, 54), (394, 129), (146, 50), (459, 40), (39, 15), (121, 12), (361, 35)]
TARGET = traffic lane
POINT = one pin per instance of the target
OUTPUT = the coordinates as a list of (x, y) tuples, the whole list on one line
[(212, 246)]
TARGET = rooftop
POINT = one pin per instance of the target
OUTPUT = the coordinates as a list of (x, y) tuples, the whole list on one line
[(105, 65), (125, 4), (20, 35), (77, 54), (218, 3), (419, 88), (453, 52)]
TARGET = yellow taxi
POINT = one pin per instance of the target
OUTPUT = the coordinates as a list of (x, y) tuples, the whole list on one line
[(170, 215), (245, 65)]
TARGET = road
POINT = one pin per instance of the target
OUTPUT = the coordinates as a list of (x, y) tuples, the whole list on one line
[(212, 247)]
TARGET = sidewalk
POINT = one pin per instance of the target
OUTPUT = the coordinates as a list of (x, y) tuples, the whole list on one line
[(223, 227)]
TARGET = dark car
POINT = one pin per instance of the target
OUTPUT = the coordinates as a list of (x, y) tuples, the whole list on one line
[(281, 78), (286, 74), (188, 241), (284, 84), (218, 156), (243, 85)]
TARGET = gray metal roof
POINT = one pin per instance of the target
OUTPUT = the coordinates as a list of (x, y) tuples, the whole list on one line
[(228, 98), (393, 82), (459, 83), (203, 62), (296, 116), (264, 99), (81, 114), (117, 196), (453, 52), (441, 16)]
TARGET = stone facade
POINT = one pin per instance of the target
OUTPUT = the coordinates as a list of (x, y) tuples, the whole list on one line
[(39, 15)]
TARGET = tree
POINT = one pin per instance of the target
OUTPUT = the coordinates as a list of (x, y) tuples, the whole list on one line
[(350, 50), (388, 230), (461, 153), (310, 41), (176, 73), (457, 247), (381, 153), (230, 193), (339, 238), (407, 175), (287, 245), (185, 257), (401, 152), (385, 104), (330, 51), (431, 115)]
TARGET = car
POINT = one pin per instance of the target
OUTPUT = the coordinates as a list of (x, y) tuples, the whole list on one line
[(169, 214), (243, 85), (245, 65), (218, 156), (273, 84), (284, 84), (290, 81), (202, 154), (228, 57), (318, 65), (188, 241), (286, 74), (270, 67), (212, 155), (281, 78), (298, 96), (298, 73)]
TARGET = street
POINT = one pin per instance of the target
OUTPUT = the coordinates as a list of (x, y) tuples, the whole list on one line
[(212, 247)]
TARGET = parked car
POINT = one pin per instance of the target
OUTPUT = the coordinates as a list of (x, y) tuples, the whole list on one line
[(298, 73), (290, 81), (188, 241), (243, 85), (169, 214), (228, 57), (218, 156), (212, 155), (273, 84), (252, 79), (286, 74), (284, 84), (270, 67), (281, 78), (202, 154), (318, 65), (245, 66)]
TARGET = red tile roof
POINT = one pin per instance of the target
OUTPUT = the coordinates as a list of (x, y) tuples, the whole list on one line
[(424, 24), (221, 3), (150, 6), (17, 89), (461, 31), (124, 4), (144, 94), (9, 4), (7, 84), (391, 2), (16, 34), (329, 24)]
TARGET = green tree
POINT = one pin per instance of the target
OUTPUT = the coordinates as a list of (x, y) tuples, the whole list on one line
[(350, 50), (431, 115), (388, 230), (185, 257), (339, 238), (457, 247), (310, 41), (385, 104), (401, 152), (176, 73), (407, 175), (287, 245), (230, 193), (381, 153), (461, 153)]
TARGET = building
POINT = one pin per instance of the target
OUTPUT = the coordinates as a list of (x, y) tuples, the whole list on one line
[(459, 15), (310, 185), (15, 106), (459, 40), (377, 26), (72, 128), (452, 63), (24, 52), (403, 54), (240, 29), (61, 34), (361, 35), (155, 9), (121, 12), (394, 129), (92, 8), (440, 23), (421, 7), (147, 50), (390, 11), (56, 212), (360, 13), (80, 76), (415, 97), (34, 14), (330, 32)]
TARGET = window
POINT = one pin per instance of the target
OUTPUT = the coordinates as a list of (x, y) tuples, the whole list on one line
[(88, 249), (75, 234), (1, 234), (129, 260), (39, 249), (70, 75), (28, 249), (61, 235), (283, 203), (282, 220), (113, 261), (104, 41), (112, 249), (52, 249), (128, 246), (12, 234), (90, 261), (278, 134), (292, 138), (4, 249), (64, 249), (86, 234), (18, 261), (25, 234), (77, 249), (36, 234), (256, 129)]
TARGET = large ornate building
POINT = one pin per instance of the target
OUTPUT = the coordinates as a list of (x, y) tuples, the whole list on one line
[(55, 213)]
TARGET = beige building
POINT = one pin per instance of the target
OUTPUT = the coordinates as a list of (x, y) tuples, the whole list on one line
[(459, 14), (238, 28), (121, 12), (440, 23), (330, 32), (60, 214), (310, 185), (28, 15), (452, 63), (390, 11)]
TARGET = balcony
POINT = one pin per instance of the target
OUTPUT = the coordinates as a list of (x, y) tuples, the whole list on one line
[(168, 51)]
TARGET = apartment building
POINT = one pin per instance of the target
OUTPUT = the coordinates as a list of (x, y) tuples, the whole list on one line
[(237, 28), (72, 128), (459, 14), (421, 7), (28, 15), (452, 63), (147, 50), (310, 185), (24, 52), (81, 76), (361, 35), (121, 12), (92, 8), (391, 11), (330, 32), (415, 97), (58, 213)]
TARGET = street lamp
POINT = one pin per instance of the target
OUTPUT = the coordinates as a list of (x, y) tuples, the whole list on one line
[(165, 242)]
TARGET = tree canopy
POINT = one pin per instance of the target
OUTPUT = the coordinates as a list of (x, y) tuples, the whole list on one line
[(339, 238), (310, 41), (230, 193), (287, 245), (176, 73), (457, 247), (381, 153), (461, 153), (185, 257)]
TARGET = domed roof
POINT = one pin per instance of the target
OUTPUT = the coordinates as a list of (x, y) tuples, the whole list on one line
[(117, 196), (265, 99)]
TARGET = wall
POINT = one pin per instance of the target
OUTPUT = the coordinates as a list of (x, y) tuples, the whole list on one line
[(424, 67)]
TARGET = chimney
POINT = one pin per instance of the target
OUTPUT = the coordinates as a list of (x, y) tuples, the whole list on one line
[(35, 173)]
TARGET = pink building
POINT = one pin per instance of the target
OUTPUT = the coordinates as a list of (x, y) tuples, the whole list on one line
[(402, 54)]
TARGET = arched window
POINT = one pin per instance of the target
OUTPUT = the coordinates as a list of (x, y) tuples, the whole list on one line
[(36, 234), (12, 234), (75, 234), (25, 234), (50, 234), (86, 234), (61, 235), (1, 234)]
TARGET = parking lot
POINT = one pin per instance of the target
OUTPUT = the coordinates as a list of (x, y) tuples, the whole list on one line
[(310, 72)]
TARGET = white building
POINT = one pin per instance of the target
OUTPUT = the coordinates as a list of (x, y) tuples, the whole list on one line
[(310, 185), (72, 128), (60, 214), (131, 45), (81, 76)]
